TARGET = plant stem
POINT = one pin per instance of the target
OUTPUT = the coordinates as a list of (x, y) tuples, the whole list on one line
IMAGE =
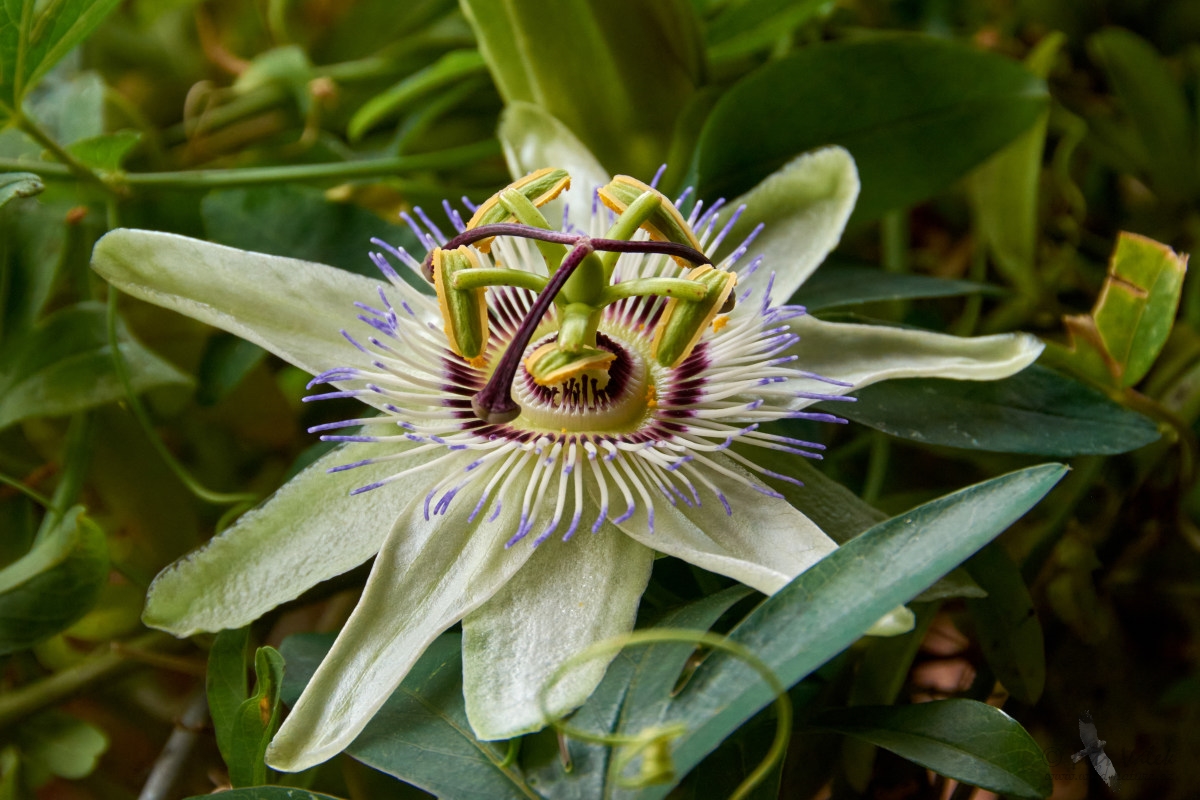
[(174, 755), (341, 170), (203, 179), (17, 704), (35, 132)]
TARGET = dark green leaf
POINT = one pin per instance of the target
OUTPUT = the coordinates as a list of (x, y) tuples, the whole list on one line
[(34, 36), (825, 609), (966, 740), (19, 184), (842, 514), (1157, 106), (255, 721), (226, 685), (298, 222), (833, 286), (226, 361), (1035, 411), (268, 793), (916, 113), (421, 735), (616, 73), (54, 584), (742, 28), (65, 365), (1007, 625)]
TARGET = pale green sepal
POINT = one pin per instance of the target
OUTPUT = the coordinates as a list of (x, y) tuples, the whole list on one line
[(307, 532), (295, 309), (803, 206), (899, 620), (533, 139), (569, 596), (866, 354), (428, 575), (764, 543)]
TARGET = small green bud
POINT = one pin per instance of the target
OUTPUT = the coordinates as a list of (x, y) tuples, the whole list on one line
[(683, 321), (538, 187), (657, 765), (550, 365), (464, 311), (665, 223)]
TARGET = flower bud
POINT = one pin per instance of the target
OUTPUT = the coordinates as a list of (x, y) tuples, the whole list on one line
[(683, 321), (464, 311), (665, 224), (538, 187)]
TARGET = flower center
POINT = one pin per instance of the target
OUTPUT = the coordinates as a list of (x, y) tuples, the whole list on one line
[(613, 400)]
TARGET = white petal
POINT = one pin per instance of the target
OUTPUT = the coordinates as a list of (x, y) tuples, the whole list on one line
[(307, 532), (570, 595), (533, 139), (427, 576), (866, 354), (295, 309), (764, 543), (804, 206)]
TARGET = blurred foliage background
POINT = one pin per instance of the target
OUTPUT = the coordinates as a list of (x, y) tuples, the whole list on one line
[(303, 128)]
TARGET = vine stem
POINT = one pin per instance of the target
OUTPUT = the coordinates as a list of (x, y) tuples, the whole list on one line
[(641, 741), (69, 162), (202, 179), (17, 704)]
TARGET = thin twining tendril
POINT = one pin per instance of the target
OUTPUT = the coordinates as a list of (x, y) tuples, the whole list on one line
[(653, 744)]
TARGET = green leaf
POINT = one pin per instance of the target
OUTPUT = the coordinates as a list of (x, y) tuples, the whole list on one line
[(19, 184), (969, 741), (1120, 340), (741, 28), (226, 685), (916, 113), (421, 735), (1036, 411), (1004, 190), (227, 359), (1007, 625), (836, 285), (826, 608), (268, 793), (298, 222), (61, 744), (64, 365), (638, 683), (1157, 106), (255, 721), (105, 153), (54, 584), (35, 35), (617, 73), (438, 76)]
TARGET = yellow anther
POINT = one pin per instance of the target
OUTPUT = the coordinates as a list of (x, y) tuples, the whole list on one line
[(478, 362), (538, 187), (719, 323)]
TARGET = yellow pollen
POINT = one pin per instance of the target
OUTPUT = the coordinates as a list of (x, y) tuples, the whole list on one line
[(478, 362), (562, 430), (651, 397), (720, 322)]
